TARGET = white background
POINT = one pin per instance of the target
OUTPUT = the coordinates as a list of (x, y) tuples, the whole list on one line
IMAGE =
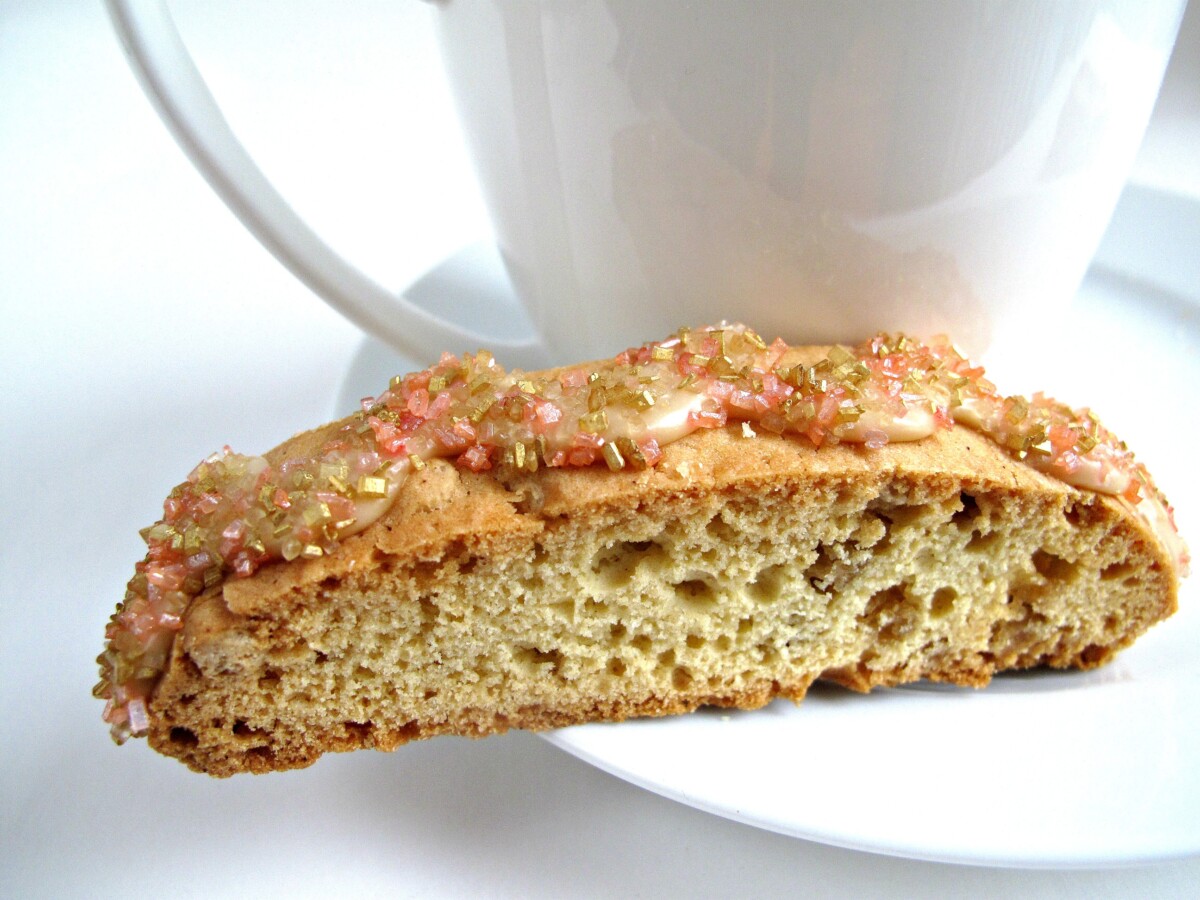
[(142, 328)]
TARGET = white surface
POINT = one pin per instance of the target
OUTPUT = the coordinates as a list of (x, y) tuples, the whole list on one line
[(178, 90), (592, 123), (636, 183), (143, 328)]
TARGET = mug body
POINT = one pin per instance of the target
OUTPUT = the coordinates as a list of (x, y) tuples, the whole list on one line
[(819, 169)]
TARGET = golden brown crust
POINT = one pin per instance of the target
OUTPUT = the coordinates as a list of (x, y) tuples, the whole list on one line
[(735, 571)]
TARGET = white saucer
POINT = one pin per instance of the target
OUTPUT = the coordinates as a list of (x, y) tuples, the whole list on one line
[(1040, 769)]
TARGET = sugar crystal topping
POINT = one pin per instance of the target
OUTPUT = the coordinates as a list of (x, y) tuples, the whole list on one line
[(236, 513)]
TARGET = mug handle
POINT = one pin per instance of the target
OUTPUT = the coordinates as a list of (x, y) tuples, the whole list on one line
[(176, 88)]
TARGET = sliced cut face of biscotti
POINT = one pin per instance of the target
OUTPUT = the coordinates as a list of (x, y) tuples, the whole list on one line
[(703, 520), (734, 571)]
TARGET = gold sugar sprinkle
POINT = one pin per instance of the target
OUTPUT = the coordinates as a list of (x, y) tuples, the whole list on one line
[(594, 422), (161, 531), (839, 355), (612, 456), (597, 397), (643, 399), (632, 452), (1018, 410), (723, 365), (481, 408), (372, 487), (193, 538), (848, 413), (662, 354), (316, 513)]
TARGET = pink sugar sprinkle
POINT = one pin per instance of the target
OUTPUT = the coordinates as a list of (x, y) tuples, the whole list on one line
[(139, 721)]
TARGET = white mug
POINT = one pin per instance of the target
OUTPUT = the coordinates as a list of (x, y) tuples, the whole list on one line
[(820, 170)]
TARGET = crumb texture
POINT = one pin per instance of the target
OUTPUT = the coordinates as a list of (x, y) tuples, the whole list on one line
[(734, 572)]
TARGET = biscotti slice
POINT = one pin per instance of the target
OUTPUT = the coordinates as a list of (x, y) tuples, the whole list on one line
[(703, 520)]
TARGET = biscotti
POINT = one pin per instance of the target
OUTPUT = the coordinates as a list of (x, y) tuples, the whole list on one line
[(703, 520)]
